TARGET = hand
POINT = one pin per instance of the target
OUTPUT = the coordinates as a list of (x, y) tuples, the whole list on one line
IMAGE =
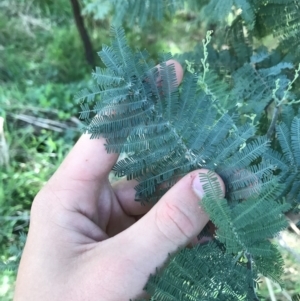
[(89, 240)]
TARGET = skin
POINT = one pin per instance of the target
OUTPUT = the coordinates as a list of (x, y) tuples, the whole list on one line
[(89, 240)]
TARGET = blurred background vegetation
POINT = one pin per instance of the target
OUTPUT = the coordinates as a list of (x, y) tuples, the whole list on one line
[(45, 58)]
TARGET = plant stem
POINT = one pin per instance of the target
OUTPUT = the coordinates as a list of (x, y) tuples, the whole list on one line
[(270, 289), (273, 122), (249, 266)]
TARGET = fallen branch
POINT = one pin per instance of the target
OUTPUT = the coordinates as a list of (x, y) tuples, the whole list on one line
[(4, 153)]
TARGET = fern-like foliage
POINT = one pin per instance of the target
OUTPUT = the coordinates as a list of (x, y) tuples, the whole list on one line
[(296, 298), (242, 250), (204, 272), (285, 26), (261, 18), (247, 227), (217, 11), (289, 161), (255, 86), (142, 11), (167, 131)]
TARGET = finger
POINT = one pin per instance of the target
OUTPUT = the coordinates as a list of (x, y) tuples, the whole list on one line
[(178, 70), (125, 193), (87, 161), (89, 158), (171, 224)]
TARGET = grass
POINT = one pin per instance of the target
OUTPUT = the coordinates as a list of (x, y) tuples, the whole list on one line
[(7, 280)]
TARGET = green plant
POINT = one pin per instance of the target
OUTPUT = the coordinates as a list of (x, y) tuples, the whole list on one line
[(235, 113)]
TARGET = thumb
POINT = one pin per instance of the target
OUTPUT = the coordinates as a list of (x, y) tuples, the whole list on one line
[(171, 224)]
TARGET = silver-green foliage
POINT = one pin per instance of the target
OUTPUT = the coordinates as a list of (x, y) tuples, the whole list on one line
[(143, 11), (168, 131), (261, 17), (203, 273), (288, 160)]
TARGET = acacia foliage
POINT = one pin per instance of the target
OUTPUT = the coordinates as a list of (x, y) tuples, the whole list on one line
[(216, 119)]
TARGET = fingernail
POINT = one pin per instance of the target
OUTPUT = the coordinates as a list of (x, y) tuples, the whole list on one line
[(197, 187)]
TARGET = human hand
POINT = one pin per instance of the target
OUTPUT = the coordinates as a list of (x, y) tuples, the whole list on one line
[(89, 240)]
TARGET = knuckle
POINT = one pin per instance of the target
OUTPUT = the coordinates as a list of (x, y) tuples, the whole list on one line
[(174, 223)]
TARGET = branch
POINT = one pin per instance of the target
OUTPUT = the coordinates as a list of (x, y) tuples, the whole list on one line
[(273, 123), (283, 101), (89, 53), (4, 150), (249, 266), (270, 289)]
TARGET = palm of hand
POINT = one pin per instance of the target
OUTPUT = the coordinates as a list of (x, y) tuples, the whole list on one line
[(77, 214)]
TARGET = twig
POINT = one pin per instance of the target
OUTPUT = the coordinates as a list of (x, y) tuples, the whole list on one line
[(270, 289), (280, 102), (76, 121), (249, 266), (283, 244), (294, 227), (38, 122), (238, 257), (284, 292), (44, 122), (273, 123)]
